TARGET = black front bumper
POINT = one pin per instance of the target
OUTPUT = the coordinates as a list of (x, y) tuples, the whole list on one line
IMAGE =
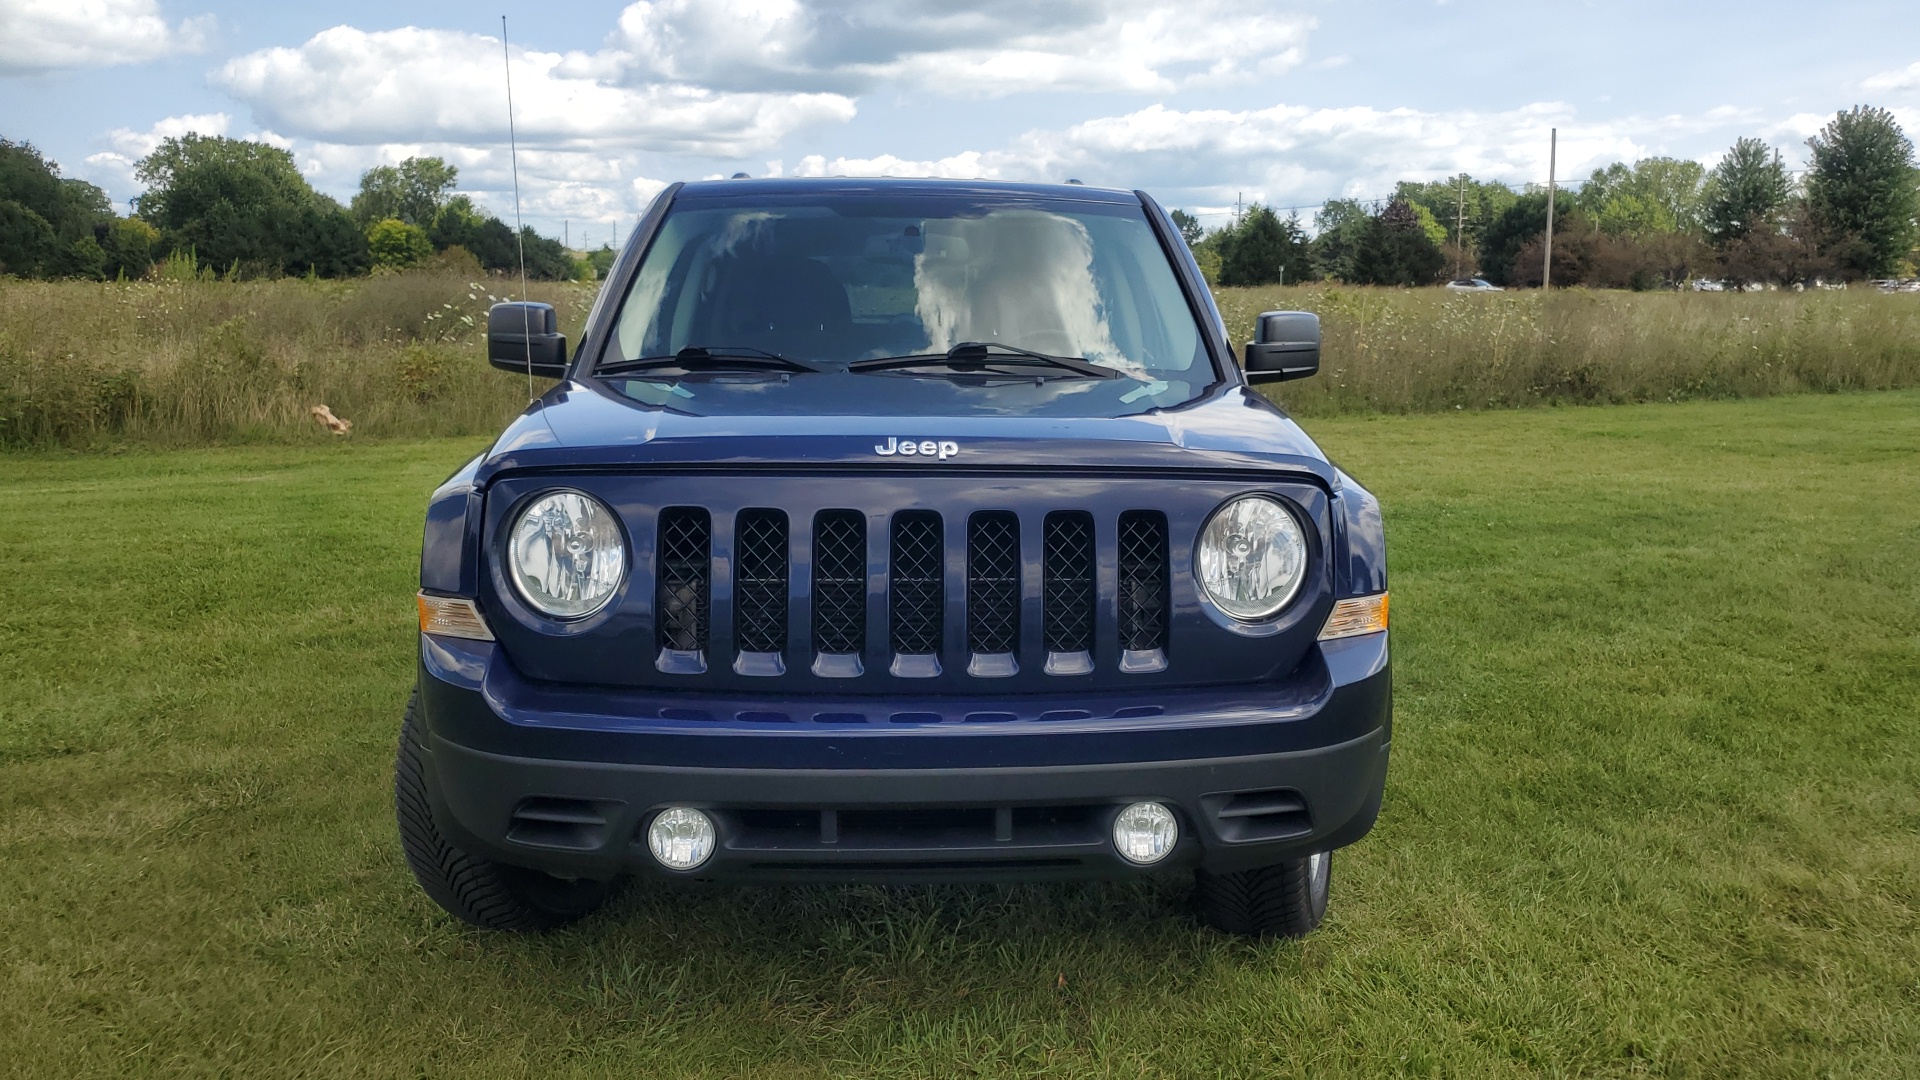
[(1277, 792)]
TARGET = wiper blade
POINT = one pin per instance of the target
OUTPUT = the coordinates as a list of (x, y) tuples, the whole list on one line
[(698, 358), (986, 357)]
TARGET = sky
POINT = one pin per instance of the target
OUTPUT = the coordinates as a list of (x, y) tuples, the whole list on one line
[(1203, 103)]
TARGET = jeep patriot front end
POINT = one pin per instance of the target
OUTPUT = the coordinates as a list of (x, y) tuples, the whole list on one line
[(897, 531)]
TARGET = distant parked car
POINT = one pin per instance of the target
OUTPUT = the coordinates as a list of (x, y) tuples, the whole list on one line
[(1709, 285), (1473, 285)]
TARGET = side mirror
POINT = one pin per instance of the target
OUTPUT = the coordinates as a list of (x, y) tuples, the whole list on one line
[(522, 335), (1285, 345)]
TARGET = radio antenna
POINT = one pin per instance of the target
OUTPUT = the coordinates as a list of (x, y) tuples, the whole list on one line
[(519, 230)]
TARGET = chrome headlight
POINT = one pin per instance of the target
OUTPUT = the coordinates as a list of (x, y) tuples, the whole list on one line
[(565, 554), (1253, 557)]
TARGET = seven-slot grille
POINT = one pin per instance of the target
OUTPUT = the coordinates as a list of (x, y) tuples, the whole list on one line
[(836, 584)]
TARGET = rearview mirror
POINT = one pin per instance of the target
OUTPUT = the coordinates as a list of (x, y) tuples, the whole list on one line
[(1285, 345), (523, 336)]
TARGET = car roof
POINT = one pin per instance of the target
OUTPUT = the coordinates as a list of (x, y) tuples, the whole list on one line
[(747, 188)]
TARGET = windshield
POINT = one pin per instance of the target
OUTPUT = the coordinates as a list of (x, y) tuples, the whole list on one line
[(835, 279)]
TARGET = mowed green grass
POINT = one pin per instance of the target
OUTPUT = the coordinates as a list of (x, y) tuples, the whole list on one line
[(1653, 807)]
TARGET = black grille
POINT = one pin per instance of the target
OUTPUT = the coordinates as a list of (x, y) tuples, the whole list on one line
[(685, 540), (1067, 582), (917, 585), (1143, 580), (839, 581), (760, 581), (993, 582)]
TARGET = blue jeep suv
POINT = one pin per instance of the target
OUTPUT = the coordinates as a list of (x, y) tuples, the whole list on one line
[(897, 531)]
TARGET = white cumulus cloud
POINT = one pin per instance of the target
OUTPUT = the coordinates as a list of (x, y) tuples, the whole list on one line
[(126, 146), (968, 48), (50, 35), (353, 86), (1907, 78)]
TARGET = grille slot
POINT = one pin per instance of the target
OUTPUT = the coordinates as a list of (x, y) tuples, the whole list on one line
[(917, 588), (760, 581), (685, 587), (1066, 586), (839, 591), (1143, 590), (993, 587)]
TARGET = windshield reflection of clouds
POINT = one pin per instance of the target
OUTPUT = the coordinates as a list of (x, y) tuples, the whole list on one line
[(1020, 277)]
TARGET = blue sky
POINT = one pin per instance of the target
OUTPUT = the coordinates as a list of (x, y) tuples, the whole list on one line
[(1198, 101)]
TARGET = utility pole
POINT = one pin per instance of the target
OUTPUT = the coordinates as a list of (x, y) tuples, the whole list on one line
[(1553, 161), (1460, 229), (566, 234), (1236, 208)]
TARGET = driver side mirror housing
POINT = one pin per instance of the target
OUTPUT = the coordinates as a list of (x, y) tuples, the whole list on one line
[(526, 335), (1285, 345)]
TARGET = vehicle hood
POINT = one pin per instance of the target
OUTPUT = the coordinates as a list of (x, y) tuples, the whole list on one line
[(577, 425)]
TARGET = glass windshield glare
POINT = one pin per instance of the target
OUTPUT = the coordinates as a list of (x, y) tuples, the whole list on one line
[(839, 278)]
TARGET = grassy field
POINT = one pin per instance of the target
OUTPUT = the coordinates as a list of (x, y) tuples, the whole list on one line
[(1652, 809), (184, 363)]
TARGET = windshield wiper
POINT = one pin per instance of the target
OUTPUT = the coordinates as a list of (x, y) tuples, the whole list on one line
[(702, 358), (989, 358)]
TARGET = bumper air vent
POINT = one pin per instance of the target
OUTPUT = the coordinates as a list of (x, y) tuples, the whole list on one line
[(684, 588), (916, 593), (1143, 591), (993, 593), (760, 592), (1067, 592), (1260, 815), (574, 824), (839, 592)]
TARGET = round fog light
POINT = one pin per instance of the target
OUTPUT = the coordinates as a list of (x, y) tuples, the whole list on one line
[(680, 837), (1145, 833)]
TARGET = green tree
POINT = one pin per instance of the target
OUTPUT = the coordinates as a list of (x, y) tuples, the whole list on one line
[(1508, 233), (1338, 226), (1396, 248), (1263, 250), (130, 245), (1861, 191), (1189, 227), (489, 240), (1456, 202), (1749, 185), (49, 226), (27, 243), (238, 203), (412, 191), (396, 245), (1652, 196)]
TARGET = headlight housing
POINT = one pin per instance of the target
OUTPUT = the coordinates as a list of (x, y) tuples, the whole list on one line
[(566, 555), (1253, 557)]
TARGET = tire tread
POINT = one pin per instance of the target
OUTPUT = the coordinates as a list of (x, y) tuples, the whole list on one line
[(475, 890)]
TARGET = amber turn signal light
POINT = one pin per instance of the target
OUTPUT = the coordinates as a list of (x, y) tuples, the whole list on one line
[(452, 616), (1356, 616)]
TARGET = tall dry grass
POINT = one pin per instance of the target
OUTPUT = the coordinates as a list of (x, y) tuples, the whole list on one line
[(1425, 350), (184, 362)]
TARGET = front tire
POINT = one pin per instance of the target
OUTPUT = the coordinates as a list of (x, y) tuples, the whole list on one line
[(484, 893), (1285, 900)]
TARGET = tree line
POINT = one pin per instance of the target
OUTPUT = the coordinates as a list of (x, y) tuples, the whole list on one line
[(1658, 223), (242, 209)]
